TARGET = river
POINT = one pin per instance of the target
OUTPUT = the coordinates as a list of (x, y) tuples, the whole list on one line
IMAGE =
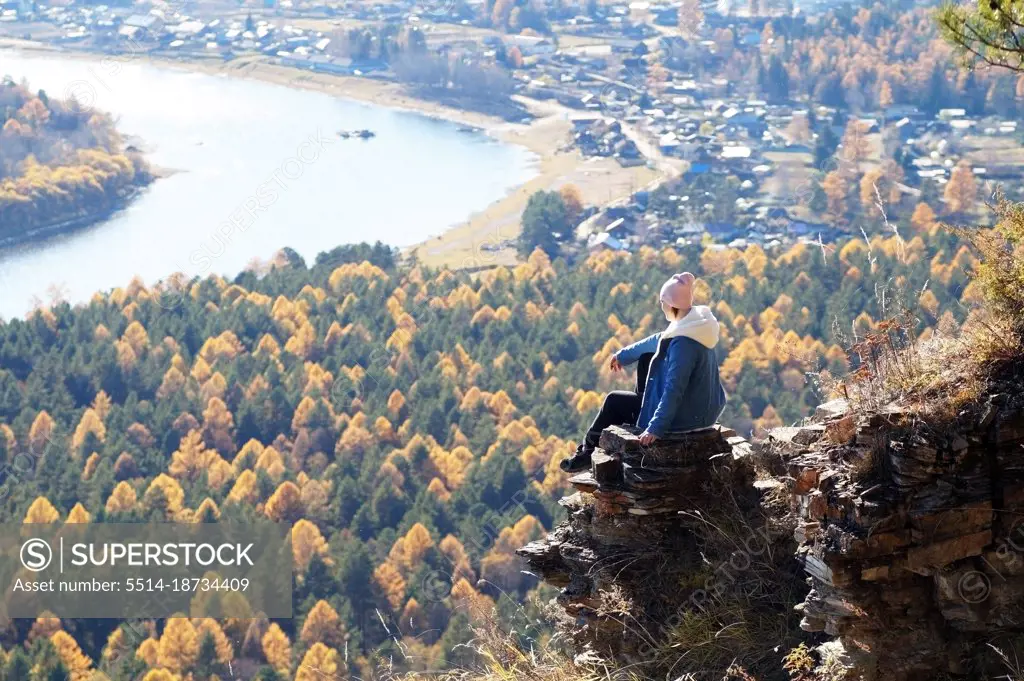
[(257, 167)]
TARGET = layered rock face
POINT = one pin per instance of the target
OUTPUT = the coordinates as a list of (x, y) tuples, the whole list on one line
[(912, 536), (636, 536)]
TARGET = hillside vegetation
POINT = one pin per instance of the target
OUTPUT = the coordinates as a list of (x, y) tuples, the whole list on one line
[(408, 421), (59, 161)]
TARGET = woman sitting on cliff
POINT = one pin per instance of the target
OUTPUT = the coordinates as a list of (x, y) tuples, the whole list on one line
[(677, 385)]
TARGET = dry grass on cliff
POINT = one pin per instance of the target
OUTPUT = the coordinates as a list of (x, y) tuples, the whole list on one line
[(936, 377), (510, 654), (933, 377)]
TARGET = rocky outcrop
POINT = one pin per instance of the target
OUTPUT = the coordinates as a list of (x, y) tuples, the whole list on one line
[(908, 537), (642, 549), (911, 535)]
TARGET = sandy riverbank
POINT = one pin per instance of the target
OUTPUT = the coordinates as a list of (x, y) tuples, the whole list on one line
[(473, 243)]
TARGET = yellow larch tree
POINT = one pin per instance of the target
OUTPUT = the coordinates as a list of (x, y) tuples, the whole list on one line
[(716, 260), (466, 597), (78, 515), (872, 186), (215, 386), (77, 663), (101, 404), (355, 439), (91, 424), (224, 347), (408, 551), (453, 466), (573, 200), (322, 625), (207, 509), (856, 146), (318, 380), (207, 626), (319, 663), (268, 345), (136, 338), (45, 626), (437, 488), (122, 499), (307, 541), (929, 302), (836, 188), (173, 382), (589, 401), (315, 498), (201, 371), (501, 565), (383, 430), (412, 612), (191, 458), (219, 473), (7, 438), (756, 261), (391, 583), (41, 511), (148, 651), (219, 426), (853, 251), (271, 461), (277, 649), (247, 455), (302, 342), (389, 471), (863, 324), (285, 504), (303, 413), (179, 645), (41, 431), (117, 646), (334, 335), (90, 466), (245, 489), (962, 189), (396, 402), (164, 492), (126, 357)]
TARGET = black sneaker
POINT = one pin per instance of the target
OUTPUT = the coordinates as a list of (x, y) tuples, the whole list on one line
[(579, 461)]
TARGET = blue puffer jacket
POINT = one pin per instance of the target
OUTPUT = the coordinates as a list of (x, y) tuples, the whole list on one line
[(683, 391)]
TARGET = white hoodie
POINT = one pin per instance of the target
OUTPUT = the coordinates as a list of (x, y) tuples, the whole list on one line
[(699, 324)]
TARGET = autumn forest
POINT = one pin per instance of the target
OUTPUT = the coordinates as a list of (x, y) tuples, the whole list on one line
[(60, 162), (407, 421)]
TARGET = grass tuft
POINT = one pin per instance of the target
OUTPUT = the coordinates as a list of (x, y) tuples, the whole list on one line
[(937, 376)]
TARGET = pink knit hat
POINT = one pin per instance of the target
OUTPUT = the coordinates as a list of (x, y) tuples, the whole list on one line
[(678, 291)]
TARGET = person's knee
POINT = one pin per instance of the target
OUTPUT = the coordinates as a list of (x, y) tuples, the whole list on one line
[(619, 400), (617, 396)]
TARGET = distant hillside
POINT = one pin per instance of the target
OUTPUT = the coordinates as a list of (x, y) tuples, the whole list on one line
[(61, 164)]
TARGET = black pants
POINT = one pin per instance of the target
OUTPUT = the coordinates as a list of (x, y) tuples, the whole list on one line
[(621, 406)]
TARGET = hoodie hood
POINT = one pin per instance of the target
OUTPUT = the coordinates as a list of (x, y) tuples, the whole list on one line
[(699, 324)]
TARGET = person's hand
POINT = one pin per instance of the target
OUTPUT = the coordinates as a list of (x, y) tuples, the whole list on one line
[(614, 364), (647, 438)]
